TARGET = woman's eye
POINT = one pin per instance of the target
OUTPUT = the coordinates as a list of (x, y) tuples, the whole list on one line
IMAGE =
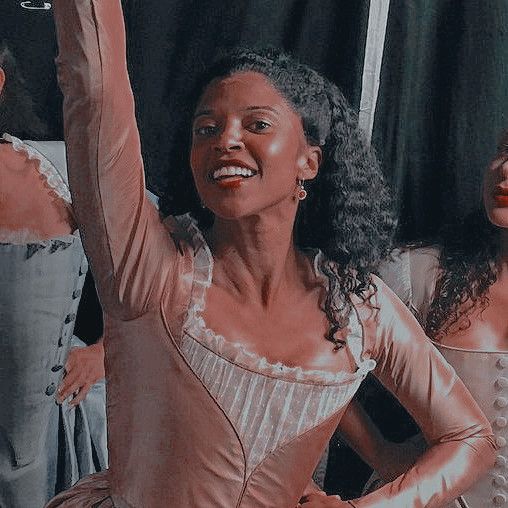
[(205, 130), (259, 125)]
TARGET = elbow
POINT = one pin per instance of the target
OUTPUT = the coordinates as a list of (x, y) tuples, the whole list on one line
[(81, 86), (489, 448), (485, 450)]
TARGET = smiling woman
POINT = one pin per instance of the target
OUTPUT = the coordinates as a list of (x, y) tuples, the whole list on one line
[(236, 330), (325, 160), (247, 137)]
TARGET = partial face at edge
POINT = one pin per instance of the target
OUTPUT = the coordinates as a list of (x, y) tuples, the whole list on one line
[(248, 147), (495, 186), (2, 80)]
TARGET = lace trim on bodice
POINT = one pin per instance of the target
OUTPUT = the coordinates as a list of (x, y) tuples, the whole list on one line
[(268, 404), (46, 168), (234, 351)]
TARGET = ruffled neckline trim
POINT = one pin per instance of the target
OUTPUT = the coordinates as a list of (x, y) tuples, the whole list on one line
[(46, 167), (236, 352)]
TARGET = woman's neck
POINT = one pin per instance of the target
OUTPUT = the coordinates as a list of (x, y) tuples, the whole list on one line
[(256, 256)]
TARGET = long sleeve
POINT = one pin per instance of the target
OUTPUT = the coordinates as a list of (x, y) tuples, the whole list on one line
[(462, 446), (130, 251)]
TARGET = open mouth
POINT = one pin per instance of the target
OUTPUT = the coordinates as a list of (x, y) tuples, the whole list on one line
[(227, 172), (232, 176), (500, 196), (501, 200)]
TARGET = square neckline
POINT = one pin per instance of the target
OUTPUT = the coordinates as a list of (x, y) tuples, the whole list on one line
[(235, 352)]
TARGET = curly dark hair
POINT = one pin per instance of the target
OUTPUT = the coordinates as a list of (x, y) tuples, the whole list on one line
[(17, 109), (348, 213), (468, 269)]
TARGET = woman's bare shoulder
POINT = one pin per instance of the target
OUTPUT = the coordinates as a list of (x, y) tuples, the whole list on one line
[(27, 202)]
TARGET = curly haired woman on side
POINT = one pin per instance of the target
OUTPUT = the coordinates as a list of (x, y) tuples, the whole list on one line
[(468, 269), (457, 287), (233, 349)]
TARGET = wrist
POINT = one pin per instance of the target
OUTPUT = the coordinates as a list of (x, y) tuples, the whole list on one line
[(350, 503)]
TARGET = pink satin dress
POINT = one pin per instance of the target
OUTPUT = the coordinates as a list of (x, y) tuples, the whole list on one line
[(413, 276), (195, 419)]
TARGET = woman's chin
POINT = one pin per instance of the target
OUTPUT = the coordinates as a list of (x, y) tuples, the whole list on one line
[(499, 217), (230, 212)]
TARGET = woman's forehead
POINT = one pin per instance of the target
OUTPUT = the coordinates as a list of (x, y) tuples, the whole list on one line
[(244, 93), (245, 86)]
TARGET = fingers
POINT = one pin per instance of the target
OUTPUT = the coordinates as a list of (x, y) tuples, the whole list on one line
[(80, 397), (312, 488), (78, 388), (70, 384), (84, 367)]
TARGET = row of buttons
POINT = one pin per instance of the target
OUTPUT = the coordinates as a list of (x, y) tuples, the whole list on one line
[(51, 388), (502, 362), (499, 499), (500, 422)]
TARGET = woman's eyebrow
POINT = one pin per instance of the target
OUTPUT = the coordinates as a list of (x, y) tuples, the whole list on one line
[(203, 112), (269, 108)]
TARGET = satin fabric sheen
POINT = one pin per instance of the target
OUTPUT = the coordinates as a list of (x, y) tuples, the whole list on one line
[(170, 443), (413, 275)]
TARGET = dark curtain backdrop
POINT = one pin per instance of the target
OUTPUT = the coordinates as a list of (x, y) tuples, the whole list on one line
[(30, 35), (171, 41), (443, 101), (443, 95)]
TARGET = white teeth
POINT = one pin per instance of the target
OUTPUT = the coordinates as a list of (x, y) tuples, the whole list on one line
[(232, 171)]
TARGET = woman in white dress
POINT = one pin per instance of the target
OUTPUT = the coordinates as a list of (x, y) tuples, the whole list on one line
[(458, 290)]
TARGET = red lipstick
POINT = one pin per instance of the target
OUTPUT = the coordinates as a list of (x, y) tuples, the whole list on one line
[(501, 200), (231, 182), (501, 196)]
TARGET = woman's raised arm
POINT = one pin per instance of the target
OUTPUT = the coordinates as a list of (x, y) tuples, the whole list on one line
[(130, 251)]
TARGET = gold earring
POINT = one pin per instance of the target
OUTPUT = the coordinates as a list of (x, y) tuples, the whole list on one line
[(302, 193)]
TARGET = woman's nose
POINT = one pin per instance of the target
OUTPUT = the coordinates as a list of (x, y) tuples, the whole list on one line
[(229, 139)]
